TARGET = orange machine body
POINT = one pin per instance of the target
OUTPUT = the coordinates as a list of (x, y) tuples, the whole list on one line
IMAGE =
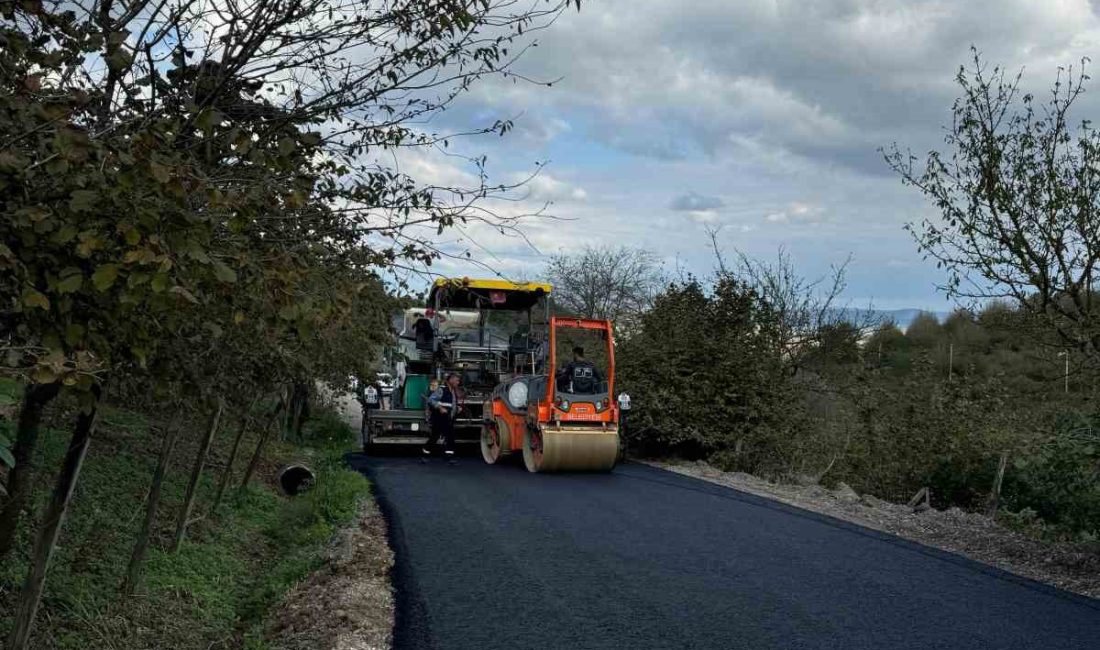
[(548, 410)]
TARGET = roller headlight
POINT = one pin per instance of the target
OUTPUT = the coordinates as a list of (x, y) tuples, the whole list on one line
[(517, 395)]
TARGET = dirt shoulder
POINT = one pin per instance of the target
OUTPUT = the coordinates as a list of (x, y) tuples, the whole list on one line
[(347, 604), (1073, 567)]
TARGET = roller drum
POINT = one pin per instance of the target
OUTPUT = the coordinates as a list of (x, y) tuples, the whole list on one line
[(570, 449)]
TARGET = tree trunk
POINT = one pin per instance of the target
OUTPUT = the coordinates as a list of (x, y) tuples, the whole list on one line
[(21, 477), (141, 544), (303, 413), (296, 416), (196, 473), (995, 495), (46, 541), (246, 419), (288, 415), (259, 448)]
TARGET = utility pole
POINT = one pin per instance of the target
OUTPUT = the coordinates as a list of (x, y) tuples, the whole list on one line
[(950, 360)]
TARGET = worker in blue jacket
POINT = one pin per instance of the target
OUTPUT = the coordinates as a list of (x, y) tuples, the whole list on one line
[(443, 403)]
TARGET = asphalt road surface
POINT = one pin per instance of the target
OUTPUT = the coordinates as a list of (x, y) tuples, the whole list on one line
[(494, 557)]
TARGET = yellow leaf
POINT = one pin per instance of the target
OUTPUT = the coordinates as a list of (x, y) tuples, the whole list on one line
[(161, 173), (34, 298), (44, 375), (105, 276), (187, 295)]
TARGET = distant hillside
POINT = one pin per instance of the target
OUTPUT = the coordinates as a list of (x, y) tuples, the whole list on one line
[(901, 317)]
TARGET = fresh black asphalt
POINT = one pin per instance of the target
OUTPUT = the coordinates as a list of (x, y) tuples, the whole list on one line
[(493, 557)]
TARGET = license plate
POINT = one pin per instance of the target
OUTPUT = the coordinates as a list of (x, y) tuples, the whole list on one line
[(415, 426)]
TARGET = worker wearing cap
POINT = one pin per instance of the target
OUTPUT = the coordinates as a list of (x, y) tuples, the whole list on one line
[(579, 376), (444, 408)]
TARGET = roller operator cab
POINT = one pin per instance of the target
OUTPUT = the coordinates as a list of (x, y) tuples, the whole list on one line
[(563, 418)]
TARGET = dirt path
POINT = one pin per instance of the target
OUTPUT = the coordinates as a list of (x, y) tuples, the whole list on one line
[(346, 405), (1073, 567)]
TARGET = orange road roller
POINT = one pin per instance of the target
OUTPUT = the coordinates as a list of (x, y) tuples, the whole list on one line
[(564, 419)]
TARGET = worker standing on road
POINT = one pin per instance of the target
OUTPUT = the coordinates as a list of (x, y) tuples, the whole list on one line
[(624, 407), (444, 408), (624, 410)]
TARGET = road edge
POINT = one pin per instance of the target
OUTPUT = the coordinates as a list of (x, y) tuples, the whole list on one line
[(849, 521)]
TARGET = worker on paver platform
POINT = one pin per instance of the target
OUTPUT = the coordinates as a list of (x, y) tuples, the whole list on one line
[(424, 331), (444, 408)]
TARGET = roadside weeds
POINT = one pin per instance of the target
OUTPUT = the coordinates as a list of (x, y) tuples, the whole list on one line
[(348, 604)]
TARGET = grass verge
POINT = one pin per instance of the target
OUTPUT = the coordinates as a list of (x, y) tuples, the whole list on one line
[(217, 591)]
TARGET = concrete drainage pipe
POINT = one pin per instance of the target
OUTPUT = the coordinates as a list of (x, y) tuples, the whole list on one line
[(295, 479)]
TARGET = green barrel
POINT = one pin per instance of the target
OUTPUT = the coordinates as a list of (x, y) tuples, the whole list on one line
[(416, 387)]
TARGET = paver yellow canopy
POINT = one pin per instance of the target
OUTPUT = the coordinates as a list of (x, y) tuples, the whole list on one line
[(557, 427)]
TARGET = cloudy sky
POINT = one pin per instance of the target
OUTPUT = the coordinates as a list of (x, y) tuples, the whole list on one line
[(759, 117)]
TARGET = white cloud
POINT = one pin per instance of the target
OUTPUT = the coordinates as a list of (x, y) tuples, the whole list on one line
[(703, 216), (432, 167), (833, 79), (797, 212), (546, 188)]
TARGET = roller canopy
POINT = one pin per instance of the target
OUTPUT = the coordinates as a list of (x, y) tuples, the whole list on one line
[(466, 293)]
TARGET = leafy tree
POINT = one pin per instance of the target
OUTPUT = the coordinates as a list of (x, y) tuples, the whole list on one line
[(925, 331), (199, 197), (804, 307), (838, 345), (717, 383), (887, 346), (1016, 190)]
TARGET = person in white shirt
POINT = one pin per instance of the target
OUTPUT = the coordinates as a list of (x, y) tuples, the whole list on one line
[(624, 408), (400, 370)]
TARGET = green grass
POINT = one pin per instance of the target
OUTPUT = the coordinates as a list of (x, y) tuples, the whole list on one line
[(217, 591)]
